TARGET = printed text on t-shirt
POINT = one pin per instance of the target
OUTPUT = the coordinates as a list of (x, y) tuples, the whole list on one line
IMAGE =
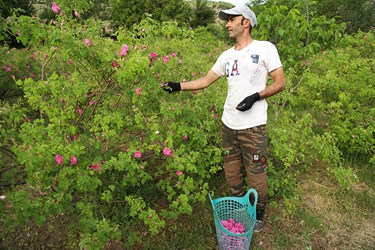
[(231, 70)]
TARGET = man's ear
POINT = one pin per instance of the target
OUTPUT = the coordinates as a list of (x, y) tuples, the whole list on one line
[(245, 22)]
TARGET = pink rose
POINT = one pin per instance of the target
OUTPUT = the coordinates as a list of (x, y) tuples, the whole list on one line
[(153, 55), (124, 50), (138, 91), (167, 152), (80, 112), (233, 227), (185, 137), (73, 160), (87, 41), (55, 8), (178, 172), (138, 154), (166, 59), (59, 159), (173, 54), (96, 167), (115, 64)]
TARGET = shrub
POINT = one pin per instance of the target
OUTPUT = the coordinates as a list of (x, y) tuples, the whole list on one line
[(100, 138)]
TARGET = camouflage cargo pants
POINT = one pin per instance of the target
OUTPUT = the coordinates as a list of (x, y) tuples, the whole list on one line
[(246, 148)]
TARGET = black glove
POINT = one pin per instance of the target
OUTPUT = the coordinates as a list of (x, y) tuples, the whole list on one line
[(248, 102), (171, 87)]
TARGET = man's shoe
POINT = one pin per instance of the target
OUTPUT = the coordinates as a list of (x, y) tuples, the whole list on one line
[(259, 224)]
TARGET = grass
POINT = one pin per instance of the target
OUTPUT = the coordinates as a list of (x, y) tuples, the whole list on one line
[(327, 218)]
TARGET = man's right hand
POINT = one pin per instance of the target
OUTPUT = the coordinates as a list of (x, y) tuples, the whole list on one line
[(171, 87)]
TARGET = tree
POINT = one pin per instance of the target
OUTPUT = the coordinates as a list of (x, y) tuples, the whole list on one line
[(359, 15), (203, 14), (99, 10), (20, 7), (132, 11), (24, 6)]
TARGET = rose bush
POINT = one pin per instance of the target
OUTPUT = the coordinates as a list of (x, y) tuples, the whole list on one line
[(100, 139)]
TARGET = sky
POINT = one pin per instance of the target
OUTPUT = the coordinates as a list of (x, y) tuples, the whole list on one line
[(234, 2)]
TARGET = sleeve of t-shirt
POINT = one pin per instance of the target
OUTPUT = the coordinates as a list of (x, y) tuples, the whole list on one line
[(218, 67), (273, 59)]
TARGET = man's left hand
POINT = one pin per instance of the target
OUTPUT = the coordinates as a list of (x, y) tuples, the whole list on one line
[(248, 102)]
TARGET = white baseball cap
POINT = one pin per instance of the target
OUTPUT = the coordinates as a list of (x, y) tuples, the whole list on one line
[(240, 10)]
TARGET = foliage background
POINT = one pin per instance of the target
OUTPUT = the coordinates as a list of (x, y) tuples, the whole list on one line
[(62, 95)]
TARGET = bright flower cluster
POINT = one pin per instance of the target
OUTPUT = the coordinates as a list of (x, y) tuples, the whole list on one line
[(115, 64), (59, 159), (73, 160), (138, 154), (168, 152), (138, 91), (166, 59), (124, 50), (55, 8), (87, 41), (233, 227), (153, 56), (80, 112), (96, 166)]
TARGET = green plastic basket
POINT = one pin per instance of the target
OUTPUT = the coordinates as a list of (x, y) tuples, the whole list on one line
[(241, 211)]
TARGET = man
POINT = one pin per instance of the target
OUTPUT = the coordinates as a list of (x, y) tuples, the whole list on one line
[(247, 66)]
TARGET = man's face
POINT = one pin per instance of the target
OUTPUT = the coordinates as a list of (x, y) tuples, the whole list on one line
[(234, 26)]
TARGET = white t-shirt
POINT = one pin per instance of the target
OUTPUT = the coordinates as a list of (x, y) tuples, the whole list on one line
[(246, 71)]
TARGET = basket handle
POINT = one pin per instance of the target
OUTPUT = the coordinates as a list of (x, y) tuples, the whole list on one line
[(212, 201), (255, 193)]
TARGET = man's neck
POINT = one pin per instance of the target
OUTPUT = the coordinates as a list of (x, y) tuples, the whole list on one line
[(243, 42)]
